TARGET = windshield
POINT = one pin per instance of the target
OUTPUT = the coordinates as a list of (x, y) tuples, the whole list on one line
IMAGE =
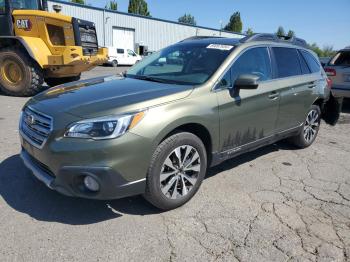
[(182, 64), (341, 59), (25, 4)]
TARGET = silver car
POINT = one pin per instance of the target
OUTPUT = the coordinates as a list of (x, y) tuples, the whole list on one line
[(338, 70)]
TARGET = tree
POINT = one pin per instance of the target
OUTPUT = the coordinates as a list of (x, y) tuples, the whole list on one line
[(290, 33), (280, 31), (187, 19), (138, 7), (235, 24), (112, 5), (314, 47), (82, 2), (326, 51), (249, 32)]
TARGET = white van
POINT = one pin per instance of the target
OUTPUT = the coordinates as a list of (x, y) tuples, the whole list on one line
[(122, 56)]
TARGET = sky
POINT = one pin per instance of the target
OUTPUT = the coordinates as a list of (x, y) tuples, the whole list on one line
[(325, 22)]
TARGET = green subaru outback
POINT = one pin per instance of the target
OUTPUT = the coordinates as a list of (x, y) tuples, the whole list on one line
[(157, 129)]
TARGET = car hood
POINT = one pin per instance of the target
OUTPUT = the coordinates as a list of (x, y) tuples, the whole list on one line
[(103, 95)]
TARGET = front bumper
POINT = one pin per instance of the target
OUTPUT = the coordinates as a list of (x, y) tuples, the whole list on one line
[(72, 62), (69, 180)]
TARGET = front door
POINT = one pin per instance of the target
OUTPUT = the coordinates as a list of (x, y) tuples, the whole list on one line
[(5, 19), (131, 57), (250, 116)]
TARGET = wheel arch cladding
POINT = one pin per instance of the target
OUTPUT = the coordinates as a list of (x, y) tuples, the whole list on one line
[(197, 129)]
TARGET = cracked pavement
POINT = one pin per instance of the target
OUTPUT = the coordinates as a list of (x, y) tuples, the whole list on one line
[(274, 204)]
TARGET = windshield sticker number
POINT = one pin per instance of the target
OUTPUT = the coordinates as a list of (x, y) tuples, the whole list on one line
[(220, 47)]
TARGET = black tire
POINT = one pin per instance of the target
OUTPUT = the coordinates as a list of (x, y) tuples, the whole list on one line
[(153, 192), (301, 140), (31, 80), (63, 80), (115, 63)]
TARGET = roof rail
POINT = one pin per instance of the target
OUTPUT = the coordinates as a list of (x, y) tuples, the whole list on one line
[(200, 37), (274, 38)]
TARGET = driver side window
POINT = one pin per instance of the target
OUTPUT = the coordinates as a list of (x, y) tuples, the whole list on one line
[(254, 61), (2, 6), (131, 53)]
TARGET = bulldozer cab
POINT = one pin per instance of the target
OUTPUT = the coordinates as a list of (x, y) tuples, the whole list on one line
[(6, 8), (37, 46)]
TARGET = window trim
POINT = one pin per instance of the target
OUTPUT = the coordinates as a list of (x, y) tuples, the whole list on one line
[(216, 88)]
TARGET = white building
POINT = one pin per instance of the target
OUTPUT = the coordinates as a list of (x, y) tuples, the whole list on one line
[(130, 31)]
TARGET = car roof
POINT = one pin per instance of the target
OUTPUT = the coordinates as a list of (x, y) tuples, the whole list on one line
[(261, 38)]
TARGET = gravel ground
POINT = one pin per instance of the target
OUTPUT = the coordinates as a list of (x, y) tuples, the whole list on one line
[(274, 204)]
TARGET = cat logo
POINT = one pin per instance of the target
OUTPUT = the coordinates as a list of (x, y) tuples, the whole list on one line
[(24, 24)]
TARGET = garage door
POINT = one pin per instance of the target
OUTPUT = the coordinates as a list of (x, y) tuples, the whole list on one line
[(124, 38)]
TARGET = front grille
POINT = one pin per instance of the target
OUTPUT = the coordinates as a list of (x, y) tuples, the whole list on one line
[(88, 40), (35, 127)]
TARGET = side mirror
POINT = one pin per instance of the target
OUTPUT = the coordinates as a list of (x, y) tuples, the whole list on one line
[(246, 81)]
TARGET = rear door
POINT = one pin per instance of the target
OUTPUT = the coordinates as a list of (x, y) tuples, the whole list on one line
[(296, 85), (251, 115), (121, 56)]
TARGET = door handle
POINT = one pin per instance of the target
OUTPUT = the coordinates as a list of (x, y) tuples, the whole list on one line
[(312, 84), (273, 95)]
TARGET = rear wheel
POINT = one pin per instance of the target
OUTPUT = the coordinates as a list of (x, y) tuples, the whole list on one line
[(63, 80), (309, 129), (19, 73), (176, 171), (115, 63)]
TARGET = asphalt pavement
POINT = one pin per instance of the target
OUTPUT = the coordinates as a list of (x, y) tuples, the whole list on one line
[(275, 204)]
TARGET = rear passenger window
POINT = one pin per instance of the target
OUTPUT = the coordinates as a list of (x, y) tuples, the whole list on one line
[(304, 67), (254, 61), (287, 62), (120, 51), (311, 61), (341, 59)]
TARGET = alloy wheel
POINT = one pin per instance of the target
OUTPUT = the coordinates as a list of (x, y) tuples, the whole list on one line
[(180, 172), (311, 125)]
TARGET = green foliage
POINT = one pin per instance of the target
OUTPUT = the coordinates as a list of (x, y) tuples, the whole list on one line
[(280, 31), (249, 31), (138, 7), (112, 5), (82, 2), (290, 33), (235, 24), (326, 51), (187, 19)]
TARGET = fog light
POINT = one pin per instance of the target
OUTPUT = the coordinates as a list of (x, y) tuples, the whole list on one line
[(91, 184)]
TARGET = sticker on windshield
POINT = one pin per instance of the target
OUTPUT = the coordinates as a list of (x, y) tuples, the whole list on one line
[(220, 47)]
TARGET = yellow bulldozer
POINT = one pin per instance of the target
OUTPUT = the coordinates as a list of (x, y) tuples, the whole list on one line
[(37, 46)]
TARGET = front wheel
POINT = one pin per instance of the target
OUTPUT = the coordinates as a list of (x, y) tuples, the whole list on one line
[(176, 171), (19, 73), (309, 129)]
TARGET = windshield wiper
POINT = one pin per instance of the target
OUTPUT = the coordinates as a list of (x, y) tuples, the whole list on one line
[(152, 79)]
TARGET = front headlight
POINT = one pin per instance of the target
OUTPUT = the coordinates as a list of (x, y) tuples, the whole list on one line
[(107, 127)]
